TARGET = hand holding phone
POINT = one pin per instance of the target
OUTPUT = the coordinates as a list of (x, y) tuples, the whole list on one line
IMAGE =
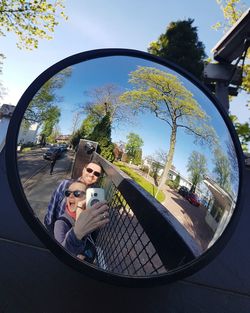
[(94, 195)]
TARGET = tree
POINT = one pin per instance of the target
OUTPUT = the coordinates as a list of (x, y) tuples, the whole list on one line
[(180, 44), (164, 95), (177, 181), (43, 109), (232, 157), (53, 115), (106, 99), (30, 20), (222, 170), (138, 157), (161, 156), (102, 135), (197, 167), (232, 11), (86, 128), (243, 131), (46, 98), (133, 148), (2, 89), (76, 119), (54, 134)]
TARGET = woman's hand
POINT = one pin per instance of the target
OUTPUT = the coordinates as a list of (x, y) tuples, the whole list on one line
[(81, 205), (89, 220)]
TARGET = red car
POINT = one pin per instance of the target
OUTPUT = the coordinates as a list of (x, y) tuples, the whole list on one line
[(193, 199)]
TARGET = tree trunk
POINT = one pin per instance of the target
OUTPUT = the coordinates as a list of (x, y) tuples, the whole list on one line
[(193, 188), (169, 159)]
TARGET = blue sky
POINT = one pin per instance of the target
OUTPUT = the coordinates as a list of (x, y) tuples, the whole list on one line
[(89, 75), (97, 24)]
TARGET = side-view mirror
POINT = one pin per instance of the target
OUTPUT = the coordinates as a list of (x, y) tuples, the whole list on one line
[(169, 160)]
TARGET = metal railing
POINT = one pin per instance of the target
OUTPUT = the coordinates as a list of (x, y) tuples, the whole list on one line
[(142, 237)]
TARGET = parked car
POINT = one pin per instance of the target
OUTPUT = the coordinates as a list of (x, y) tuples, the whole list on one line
[(193, 199), (183, 191), (63, 147), (51, 153)]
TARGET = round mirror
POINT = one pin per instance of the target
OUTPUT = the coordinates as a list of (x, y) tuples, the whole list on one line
[(151, 141)]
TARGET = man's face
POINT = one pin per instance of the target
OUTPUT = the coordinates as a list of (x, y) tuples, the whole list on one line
[(91, 173)]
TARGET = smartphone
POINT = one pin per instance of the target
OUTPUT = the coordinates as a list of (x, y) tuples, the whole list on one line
[(94, 195)]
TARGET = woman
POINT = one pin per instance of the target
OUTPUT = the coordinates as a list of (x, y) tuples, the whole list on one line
[(90, 175), (73, 229)]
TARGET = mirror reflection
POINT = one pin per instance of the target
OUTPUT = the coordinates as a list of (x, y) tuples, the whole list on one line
[(144, 139)]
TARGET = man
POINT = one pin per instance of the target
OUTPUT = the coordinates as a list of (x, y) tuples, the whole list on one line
[(52, 164), (90, 175)]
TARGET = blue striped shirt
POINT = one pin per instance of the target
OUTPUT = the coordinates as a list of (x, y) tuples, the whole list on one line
[(56, 205)]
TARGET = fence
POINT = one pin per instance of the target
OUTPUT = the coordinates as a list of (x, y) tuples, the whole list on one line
[(142, 237)]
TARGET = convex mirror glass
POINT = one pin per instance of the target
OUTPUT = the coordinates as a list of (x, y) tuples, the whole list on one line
[(170, 165)]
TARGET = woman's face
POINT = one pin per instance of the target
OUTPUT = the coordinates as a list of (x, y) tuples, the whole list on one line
[(77, 193)]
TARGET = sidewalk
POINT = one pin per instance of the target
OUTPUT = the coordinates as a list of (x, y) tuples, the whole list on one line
[(191, 217)]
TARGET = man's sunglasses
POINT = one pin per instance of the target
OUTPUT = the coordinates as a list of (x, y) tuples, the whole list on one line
[(76, 193), (89, 170)]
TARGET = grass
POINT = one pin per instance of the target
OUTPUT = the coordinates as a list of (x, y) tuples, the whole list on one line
[(26, 149), (152, 189)]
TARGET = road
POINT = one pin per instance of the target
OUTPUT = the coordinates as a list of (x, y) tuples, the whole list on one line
[(39, 185), (37, 182), (30, 162)]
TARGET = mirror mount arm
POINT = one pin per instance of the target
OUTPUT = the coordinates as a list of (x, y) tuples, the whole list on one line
[(84, 155), (222, 94)]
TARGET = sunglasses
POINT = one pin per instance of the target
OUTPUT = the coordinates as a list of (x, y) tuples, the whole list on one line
[(76, 193), (89, 170)]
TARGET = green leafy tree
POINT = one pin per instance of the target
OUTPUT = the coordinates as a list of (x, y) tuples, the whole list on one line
[(222, 170), (53, 116), (243, 131), (177, 181), (163, 94), (180, 44), (30, 20), (102, 135), (85, 129), (138, 157), (46, 98), (197, 167), (232, 11), (133, 148), (89, 124), (54, 134), (76, 136), (43, 108)]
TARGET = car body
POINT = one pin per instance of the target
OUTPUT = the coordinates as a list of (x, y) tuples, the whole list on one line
[(183, 191), (193, 199), (51, 153), (63, 147)]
